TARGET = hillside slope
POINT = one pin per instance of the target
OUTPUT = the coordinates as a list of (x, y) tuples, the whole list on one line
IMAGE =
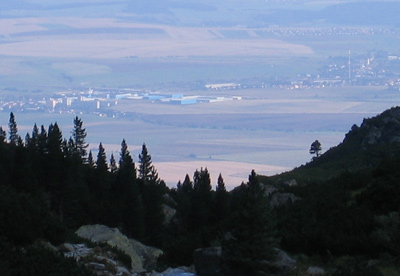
[(344, 204), (364, 147)]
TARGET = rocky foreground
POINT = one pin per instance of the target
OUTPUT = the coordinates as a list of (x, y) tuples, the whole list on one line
[(104, 258)]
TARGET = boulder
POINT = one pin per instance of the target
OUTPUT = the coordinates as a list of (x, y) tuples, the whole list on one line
[(290, 183), (169, 213), (283, 262), (279, 199), (181, 271), (142, 257), (207, 261), (315, 271)]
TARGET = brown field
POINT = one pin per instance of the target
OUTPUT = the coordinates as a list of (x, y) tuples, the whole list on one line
[(28, 37), (270, 135)]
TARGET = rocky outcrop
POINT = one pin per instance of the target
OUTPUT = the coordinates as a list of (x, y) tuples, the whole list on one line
[(207, 261), (169, 213), (281, 199), (315, 271), (382, 128), (143, 258), (283, 263), (99, 260)]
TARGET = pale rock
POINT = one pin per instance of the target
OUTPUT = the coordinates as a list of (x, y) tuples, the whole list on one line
[(281, 199), (315, 271), (142, 257), (291, 182), (283, 262), (169, 213), (67, 247), (97, 266)]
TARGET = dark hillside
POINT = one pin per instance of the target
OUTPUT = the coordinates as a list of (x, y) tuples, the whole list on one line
[(345, 202), (364, 148), (342, 209)]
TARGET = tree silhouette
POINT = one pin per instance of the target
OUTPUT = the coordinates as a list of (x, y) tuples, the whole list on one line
[(2, 135), (13, 130), (252, 240), (78, 137), (146, 170), (315, 148), (113, 164)]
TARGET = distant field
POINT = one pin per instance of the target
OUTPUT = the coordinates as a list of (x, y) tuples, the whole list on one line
[(230, 137), (270, 130)]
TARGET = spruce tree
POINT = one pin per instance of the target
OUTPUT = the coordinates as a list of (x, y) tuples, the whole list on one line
[(202, 198), (130, 203), (113, 164), (3, 135), (101, 162), (145, 165), (79, 138), (90, 161), (35, 135), (42, 140), (13, 130), (184, 199), (220, 210), (251, 243), (54, 140)]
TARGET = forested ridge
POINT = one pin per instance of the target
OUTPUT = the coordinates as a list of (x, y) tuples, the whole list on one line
[(340, 211)]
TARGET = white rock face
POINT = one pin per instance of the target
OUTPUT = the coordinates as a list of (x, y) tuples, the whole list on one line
[(142, 257)]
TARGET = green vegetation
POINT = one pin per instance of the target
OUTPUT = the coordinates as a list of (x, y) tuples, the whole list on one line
[(344, 215)]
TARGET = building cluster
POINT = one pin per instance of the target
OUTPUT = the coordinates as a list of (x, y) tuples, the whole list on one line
[(322, 32), (372, 69), (100, 102)]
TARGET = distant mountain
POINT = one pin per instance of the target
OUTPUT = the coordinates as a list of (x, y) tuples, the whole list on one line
[(222, 13), (363, 13)]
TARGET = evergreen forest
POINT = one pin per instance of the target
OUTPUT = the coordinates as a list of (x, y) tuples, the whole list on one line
[(340, 211)]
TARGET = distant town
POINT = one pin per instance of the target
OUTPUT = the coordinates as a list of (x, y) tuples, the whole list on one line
[(372, 69)]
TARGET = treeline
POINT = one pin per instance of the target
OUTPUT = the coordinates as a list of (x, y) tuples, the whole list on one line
[(58, 185), (50, 186)]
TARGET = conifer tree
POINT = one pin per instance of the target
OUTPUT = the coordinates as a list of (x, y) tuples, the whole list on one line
[(184, 199), (79, 138), (101, 162), (2, 135), (146, 171), (90, 161), (315, 148), (54, 166), (187, 186), (13, 130), (42, 140), (27, 140), (252, 242), (154, 217), (201, 199), (131, 207), (221, 201), (113, 164), (35, 134), (54, 140)]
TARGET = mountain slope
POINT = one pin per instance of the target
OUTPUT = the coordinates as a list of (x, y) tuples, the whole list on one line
[(364, 147)]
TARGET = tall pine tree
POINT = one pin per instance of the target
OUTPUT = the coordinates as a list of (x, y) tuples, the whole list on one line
[(147, 172), (79, 139), (13, 130), (252, 240)]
